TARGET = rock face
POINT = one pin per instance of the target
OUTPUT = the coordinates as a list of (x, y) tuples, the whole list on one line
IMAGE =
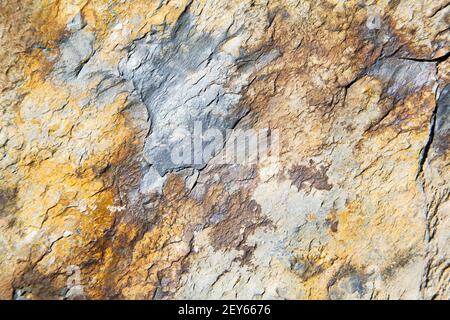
[(118, 123)]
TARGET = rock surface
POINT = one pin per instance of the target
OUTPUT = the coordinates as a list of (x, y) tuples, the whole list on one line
[(351, 201)]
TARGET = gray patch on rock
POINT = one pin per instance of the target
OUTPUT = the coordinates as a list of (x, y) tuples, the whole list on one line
[(20, 294), (77, 23), (191, 180), (402, 77), (184, 80), (442, 127), (76, 51), (349, 284), (152, 182)]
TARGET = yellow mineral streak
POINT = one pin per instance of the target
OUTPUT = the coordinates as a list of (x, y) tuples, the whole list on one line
[(62, 144)]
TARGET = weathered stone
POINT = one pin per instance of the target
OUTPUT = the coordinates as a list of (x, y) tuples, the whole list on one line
[(348, 199)]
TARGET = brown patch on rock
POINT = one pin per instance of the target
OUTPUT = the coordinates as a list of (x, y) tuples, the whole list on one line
[(246, 258), (307, 267), (7, 201), (34, 285), (332, 221), (443, 144), (144, 253), (316, 177), (402, 260), (240, 218)]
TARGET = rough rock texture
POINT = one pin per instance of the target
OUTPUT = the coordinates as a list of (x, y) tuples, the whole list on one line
[(354, 203)]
